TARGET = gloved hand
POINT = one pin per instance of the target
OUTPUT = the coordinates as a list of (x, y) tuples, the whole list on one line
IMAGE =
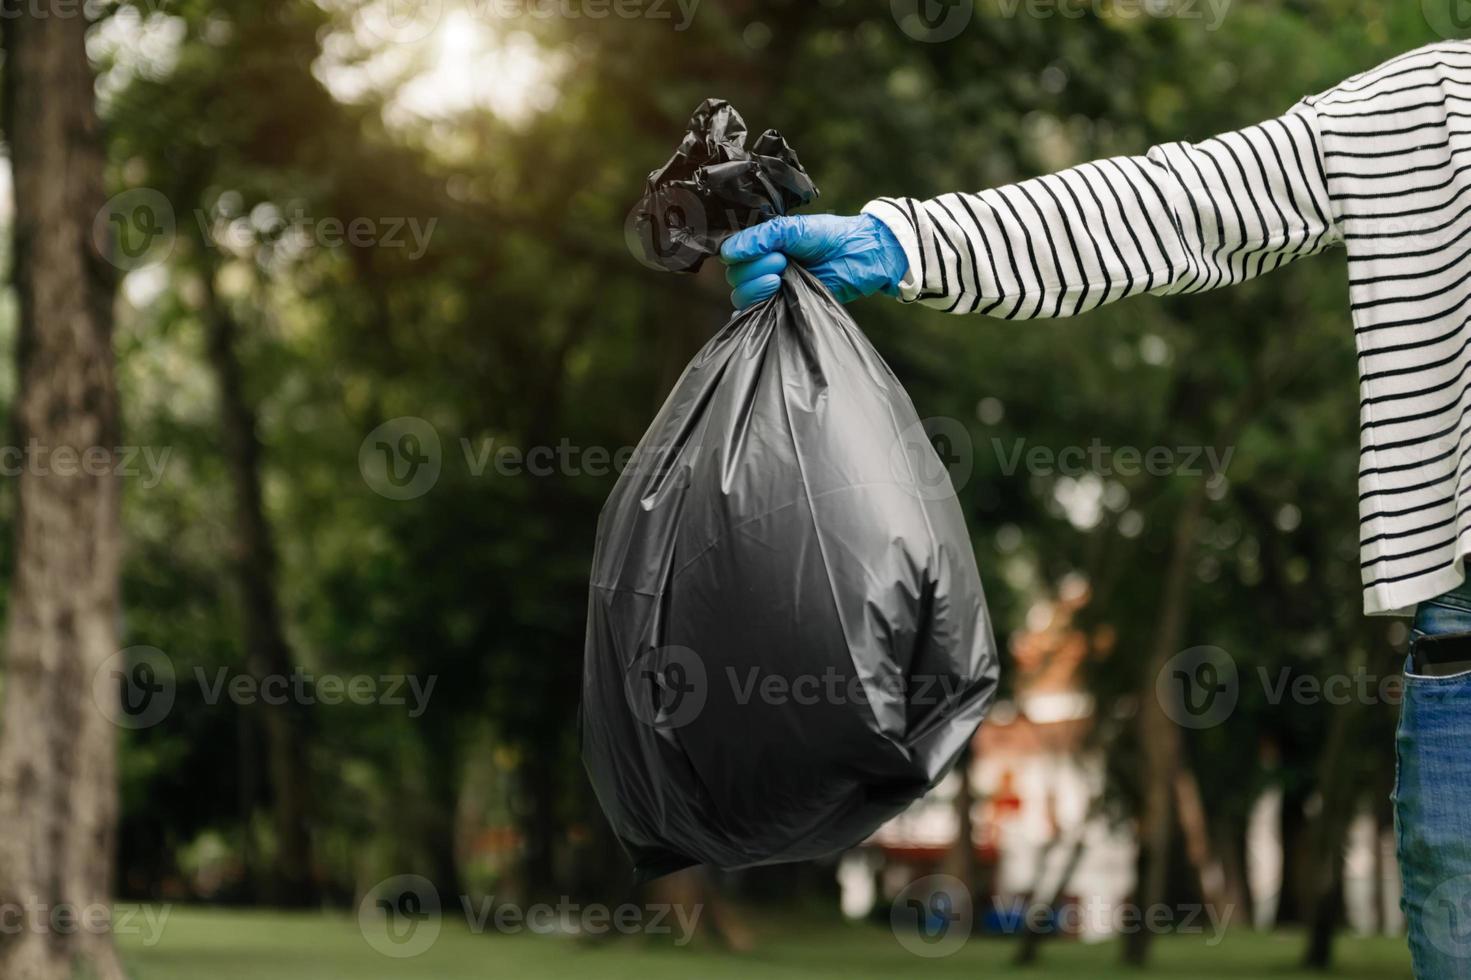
[(852, 257)]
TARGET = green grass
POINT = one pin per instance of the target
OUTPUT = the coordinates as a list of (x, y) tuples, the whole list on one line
[(218, 944)]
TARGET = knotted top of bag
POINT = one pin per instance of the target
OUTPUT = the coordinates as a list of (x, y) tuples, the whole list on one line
[(713, 186)]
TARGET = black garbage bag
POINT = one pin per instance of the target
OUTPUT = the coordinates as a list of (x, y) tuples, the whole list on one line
[(714, 186), (787, 640)]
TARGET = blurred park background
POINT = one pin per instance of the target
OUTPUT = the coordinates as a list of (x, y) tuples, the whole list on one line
[(381, 347)]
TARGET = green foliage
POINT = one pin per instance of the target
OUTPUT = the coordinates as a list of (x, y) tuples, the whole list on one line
[(526, 322)]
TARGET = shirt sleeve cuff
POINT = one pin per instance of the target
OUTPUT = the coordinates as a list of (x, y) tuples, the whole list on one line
[(898, 222)]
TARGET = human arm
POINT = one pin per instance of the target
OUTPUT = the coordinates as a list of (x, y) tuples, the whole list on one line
[(1181, 218)]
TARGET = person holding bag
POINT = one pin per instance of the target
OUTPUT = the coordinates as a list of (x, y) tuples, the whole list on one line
[(1380, 164)]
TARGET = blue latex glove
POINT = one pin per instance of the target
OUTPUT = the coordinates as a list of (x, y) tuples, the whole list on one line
[(852, 257)]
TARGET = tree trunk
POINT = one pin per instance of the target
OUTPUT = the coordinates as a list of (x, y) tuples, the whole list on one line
[(444, 783), (291, 880), (247, 798), (1031, 938), (1383, 820), (539, 826), (1337, 786), (1327, 915), (1210, 876), (1236, 890), (961, 861), (1291, 902), (58, 745), (1158, 736)]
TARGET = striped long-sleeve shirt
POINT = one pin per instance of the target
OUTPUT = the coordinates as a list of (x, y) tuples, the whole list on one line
[(1380, 164)]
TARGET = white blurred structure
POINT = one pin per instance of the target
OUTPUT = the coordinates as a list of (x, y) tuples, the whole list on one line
[(1033, 782)]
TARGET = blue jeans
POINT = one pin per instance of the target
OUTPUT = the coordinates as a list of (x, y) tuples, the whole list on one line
[(1432, 801)]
